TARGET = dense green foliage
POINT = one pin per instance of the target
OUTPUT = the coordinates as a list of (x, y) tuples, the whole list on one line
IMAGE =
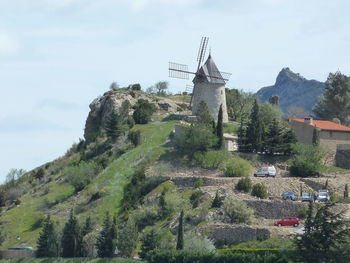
[(237, 211), (143, 111), (71, 241), (335, 102), (244, 185), (47, 244), (217, 202), (255, 129), (135, 137), (80, 175), (239, 103), (203, 113), (236, 167), (180, 232), (220, 129), (195, 138), (105, 242), (259, 190), (306, 160), (212, 159), (149, 242), (234, 255), (326, 236)]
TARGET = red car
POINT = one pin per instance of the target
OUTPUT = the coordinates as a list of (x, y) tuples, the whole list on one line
[(288, 221)]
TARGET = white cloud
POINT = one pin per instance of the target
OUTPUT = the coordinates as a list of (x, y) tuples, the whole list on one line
[(8, 44)]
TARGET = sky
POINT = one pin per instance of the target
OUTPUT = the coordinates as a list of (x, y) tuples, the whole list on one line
[(56, 56)]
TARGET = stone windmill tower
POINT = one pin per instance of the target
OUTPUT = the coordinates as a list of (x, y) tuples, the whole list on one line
[(209, 83)]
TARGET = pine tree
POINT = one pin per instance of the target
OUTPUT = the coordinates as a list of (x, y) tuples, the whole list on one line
[(288, 139), (220, 129), (242, 137), (273, 138), (203, 113), (113, 126), (180, 233), (46, 240), (216, 201), (71, 242), (346, 191), (162, 205), (127, 238), (104, 242), (150, 241), (255, 129), (325, 236), (87, 228)]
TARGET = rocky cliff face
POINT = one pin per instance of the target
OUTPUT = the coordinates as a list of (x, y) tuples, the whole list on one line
[(102, 107), (297, 95)]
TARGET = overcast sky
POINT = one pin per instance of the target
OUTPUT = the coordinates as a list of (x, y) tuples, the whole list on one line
[(56, 56)]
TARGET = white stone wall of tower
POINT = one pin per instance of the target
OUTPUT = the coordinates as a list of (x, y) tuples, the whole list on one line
[(213, 95)]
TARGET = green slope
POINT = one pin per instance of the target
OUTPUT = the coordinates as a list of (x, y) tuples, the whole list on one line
[(22, 223)]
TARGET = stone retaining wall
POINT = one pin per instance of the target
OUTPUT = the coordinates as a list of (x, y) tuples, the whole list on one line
[(275, 209), (226, 235), (189, 181), (7, 254)]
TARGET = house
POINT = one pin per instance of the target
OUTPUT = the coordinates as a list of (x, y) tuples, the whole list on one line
[(334, 136), (230, 142)]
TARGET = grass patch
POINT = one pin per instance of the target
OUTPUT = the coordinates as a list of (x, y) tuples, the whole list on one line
[(231, 127), (332, 169)]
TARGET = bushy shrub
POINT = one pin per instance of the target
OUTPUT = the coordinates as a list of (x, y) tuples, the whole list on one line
[(196, 242), (217, 202), (212, 159), (81, 175), (195, 198), (143, 111), (244, 185), (334, 197), (175, 203), (135, 137), (302, 212), (306, 160), (237, 167), (237, 211), (195, 138), (145, 216), (260, 190)]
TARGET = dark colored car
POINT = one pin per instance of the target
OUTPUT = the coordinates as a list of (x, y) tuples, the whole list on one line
[(288, 221), (289, 196), (306, 197)]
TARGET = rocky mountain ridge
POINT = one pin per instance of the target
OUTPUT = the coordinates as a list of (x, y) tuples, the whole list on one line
[(297, 95)]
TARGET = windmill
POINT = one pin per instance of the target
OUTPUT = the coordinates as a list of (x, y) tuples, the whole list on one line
[(209, 82)]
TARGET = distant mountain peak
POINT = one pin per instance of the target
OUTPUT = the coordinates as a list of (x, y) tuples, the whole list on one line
[(294, 92), (286, 75)]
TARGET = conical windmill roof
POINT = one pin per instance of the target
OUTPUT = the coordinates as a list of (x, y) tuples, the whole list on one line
[(209, 73)]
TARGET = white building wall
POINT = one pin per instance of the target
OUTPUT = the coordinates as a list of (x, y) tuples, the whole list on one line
[(213, 95)]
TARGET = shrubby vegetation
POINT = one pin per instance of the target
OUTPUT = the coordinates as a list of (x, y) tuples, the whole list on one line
[(306, 160), (259, 190), (237, 211), (212, 159), (244, 185), (143, 111), (236, 167), (80, 175)]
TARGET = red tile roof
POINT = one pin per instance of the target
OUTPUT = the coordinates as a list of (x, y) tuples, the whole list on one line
[(326, 125)]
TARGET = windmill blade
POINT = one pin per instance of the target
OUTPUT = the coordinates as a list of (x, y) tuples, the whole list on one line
[(189, 88), (225, 75), (179, 71), (201, 51)]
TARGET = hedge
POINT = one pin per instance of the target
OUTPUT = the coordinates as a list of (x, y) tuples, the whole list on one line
[(250, 255)]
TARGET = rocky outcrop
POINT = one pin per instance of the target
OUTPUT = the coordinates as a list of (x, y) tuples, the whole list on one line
[(297, 95), (102, 107)]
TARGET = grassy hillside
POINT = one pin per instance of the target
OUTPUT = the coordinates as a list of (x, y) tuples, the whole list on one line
[(23, 222)]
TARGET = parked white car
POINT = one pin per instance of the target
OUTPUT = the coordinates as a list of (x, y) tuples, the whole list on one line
[(323, 196), (266, 171)]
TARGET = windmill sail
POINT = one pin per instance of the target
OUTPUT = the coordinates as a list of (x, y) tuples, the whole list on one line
[(179, 71)]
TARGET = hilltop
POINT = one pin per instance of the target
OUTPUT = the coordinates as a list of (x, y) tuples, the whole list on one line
[(169, 182), (297, 94)]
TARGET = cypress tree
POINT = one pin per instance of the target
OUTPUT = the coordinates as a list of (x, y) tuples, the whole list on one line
[(149, 242), (220, 129), (180, 233), (216, 201), (213, 127), (315, 137), (326, 184), (242, 134), (104, 242), (255, 129), (87, 228), (162, 205), (46, 240), (346, 191), (71, 242)]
